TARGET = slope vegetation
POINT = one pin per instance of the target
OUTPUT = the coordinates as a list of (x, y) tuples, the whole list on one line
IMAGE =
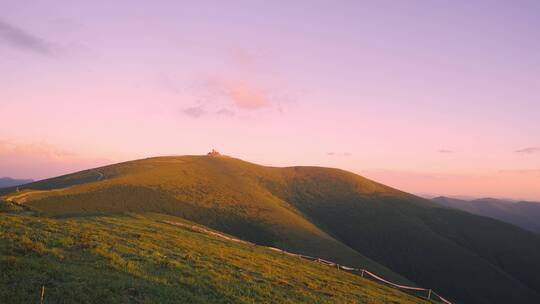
[(139, 259), (324, 212)]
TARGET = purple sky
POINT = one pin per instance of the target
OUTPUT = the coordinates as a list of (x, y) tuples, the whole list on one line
[(429, 97)]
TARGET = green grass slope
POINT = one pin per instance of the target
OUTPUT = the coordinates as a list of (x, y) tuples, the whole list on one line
[(138, 259), (317, 211)]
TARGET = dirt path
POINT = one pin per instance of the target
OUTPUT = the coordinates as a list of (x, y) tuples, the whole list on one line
[(21, 197)]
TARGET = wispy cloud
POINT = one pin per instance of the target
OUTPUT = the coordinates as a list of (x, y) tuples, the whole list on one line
[(41, 149), (41, 159), (244, 91), (242, 58), (528, 150), (445, 151), (246, 96), (338, 154), (522, 171), (195, 112), (241, 94), (225, 112), (20, 39)]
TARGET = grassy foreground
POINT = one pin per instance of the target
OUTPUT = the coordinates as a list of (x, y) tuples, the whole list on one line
[(138, 259)]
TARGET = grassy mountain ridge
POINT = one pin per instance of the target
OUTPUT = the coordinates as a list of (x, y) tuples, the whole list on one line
[(317, 211), (226, 197)]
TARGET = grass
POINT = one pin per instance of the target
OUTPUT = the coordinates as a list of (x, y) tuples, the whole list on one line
[(329, 213), (134, 258)]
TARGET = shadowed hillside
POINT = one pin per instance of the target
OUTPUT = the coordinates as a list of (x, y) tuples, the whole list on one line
[(325, 212)]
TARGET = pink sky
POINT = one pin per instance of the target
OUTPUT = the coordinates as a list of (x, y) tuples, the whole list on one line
[(424, 96)]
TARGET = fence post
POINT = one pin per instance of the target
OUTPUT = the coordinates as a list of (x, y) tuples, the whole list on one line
[(42, 293), (429, 295), (362, 273)]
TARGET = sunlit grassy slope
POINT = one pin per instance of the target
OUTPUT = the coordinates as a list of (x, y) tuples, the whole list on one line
[(324, 212), (137, 259)]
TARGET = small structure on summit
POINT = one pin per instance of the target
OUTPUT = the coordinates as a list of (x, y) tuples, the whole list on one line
[(213, 153)]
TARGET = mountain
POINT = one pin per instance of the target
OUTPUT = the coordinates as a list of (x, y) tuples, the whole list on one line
[(324, 212), (219, 192), (522, 214), (138, 258), (11, 182)]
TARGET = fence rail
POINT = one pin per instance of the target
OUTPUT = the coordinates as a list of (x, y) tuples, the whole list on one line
[(430, 294)]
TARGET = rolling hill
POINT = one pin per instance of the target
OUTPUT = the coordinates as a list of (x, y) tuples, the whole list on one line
[(522, 214), (324, 212)]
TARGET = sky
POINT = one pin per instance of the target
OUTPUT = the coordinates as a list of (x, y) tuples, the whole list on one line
[(431, 97)]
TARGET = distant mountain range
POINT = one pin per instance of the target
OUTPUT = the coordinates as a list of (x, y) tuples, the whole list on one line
[(322, 212), (520, 213), (11, 182)]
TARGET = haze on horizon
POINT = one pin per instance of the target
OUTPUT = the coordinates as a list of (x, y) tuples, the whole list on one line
[(428, 97)]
